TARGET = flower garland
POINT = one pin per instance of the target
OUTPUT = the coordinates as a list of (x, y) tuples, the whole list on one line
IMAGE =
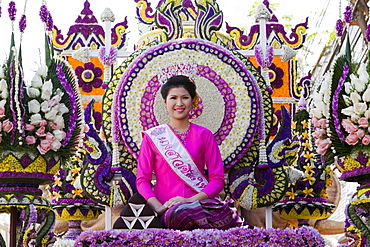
[(264, 61), (302, 237), (110, 58)]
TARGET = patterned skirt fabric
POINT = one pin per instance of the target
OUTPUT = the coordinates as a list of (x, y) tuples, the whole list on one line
[(206, 214)]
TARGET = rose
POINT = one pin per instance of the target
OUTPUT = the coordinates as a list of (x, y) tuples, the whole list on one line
[(2, 112), (29, 127), (56, 145), (322, 146), (360, 133), (47, 90), (7, 126), (43, 123), (36, 81), (59, 120), (42, 71), (45, 106), (41, 131), (59, 134), (322, 123), (35, 119), (30, 140), (33, 106), (49, 136), (44, 146), (349, 126), (63, 109), (366, 140), (318, 133), (352, 139), (50, 115), (363, 122), (33, 92), (4, 89)]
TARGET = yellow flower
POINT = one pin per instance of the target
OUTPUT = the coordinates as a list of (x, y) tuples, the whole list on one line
[(308, 192), (77, 192), (76, 170), (324, 194), (306, 144), (308, 156), (291, 194), (57, 182), (56, 195), (305, 124), (308, 168), (294, 125), (305, 135), (310, 179)]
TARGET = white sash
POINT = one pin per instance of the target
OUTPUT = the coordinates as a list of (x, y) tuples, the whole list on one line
[(176, 155)]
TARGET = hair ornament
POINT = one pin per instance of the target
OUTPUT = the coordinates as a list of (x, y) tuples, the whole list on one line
[(188, 69)]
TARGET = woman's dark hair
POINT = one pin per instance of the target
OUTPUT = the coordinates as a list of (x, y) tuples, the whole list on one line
[(179, 81)]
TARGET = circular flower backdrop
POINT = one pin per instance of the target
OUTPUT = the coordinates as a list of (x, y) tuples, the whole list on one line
[(230, 96)]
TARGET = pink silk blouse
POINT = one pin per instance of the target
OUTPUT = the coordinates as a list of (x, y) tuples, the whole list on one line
[(204, 150)]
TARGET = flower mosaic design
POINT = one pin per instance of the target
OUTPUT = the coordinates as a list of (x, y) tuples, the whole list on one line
[(88, 77), (276, 76)]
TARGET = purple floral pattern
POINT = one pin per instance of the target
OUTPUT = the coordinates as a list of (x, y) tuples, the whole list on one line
[(88, 77), (120, 118)]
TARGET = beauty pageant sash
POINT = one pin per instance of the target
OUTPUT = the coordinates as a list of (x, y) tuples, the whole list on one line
[(176, 155)]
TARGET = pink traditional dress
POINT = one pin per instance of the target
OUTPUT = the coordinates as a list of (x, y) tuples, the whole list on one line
[(179, 164)]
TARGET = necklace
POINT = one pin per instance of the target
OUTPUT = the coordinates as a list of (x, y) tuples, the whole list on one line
[(182, 134)]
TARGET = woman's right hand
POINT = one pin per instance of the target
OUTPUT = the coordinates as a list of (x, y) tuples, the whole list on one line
[(156, 206)]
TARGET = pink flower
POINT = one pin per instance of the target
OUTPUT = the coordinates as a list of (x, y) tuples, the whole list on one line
[(43, 123), (30, 140), (1, 137), (29, 127), (7, 126), (360, 133), (318, 133), (86, 128), (41, 131), (366, 140), (315, 122), (322, 146), (322, 123), (44, 146), (49, 136), (363, 122), (53, 125), (2, 112), (349, 126), (352, 139)]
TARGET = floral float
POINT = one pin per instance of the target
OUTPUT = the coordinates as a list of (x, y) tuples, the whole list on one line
[(342, 135), (308, 178), (39, 129)]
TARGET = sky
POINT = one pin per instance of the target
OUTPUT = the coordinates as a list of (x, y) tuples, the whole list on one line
[(235, 13)]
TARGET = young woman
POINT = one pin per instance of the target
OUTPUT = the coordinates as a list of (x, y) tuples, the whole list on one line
[(177, 154)]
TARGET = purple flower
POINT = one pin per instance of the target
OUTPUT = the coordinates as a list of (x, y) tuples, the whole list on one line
[(368, 33), (339, 27), (44, 12), (348, 14), (88, 77), (22, 24), (49, 22), (12, 10)]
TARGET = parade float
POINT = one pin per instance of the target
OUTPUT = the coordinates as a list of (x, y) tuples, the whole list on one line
[(248, 89), (40, 128)]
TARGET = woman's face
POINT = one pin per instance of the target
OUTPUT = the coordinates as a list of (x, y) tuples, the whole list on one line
[(178, 103)]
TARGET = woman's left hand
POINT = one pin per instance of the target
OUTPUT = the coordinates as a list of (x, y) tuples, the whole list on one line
[(176, 200)]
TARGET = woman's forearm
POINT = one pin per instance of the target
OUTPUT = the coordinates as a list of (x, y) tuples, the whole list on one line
[(199, 197), (156, 205)]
